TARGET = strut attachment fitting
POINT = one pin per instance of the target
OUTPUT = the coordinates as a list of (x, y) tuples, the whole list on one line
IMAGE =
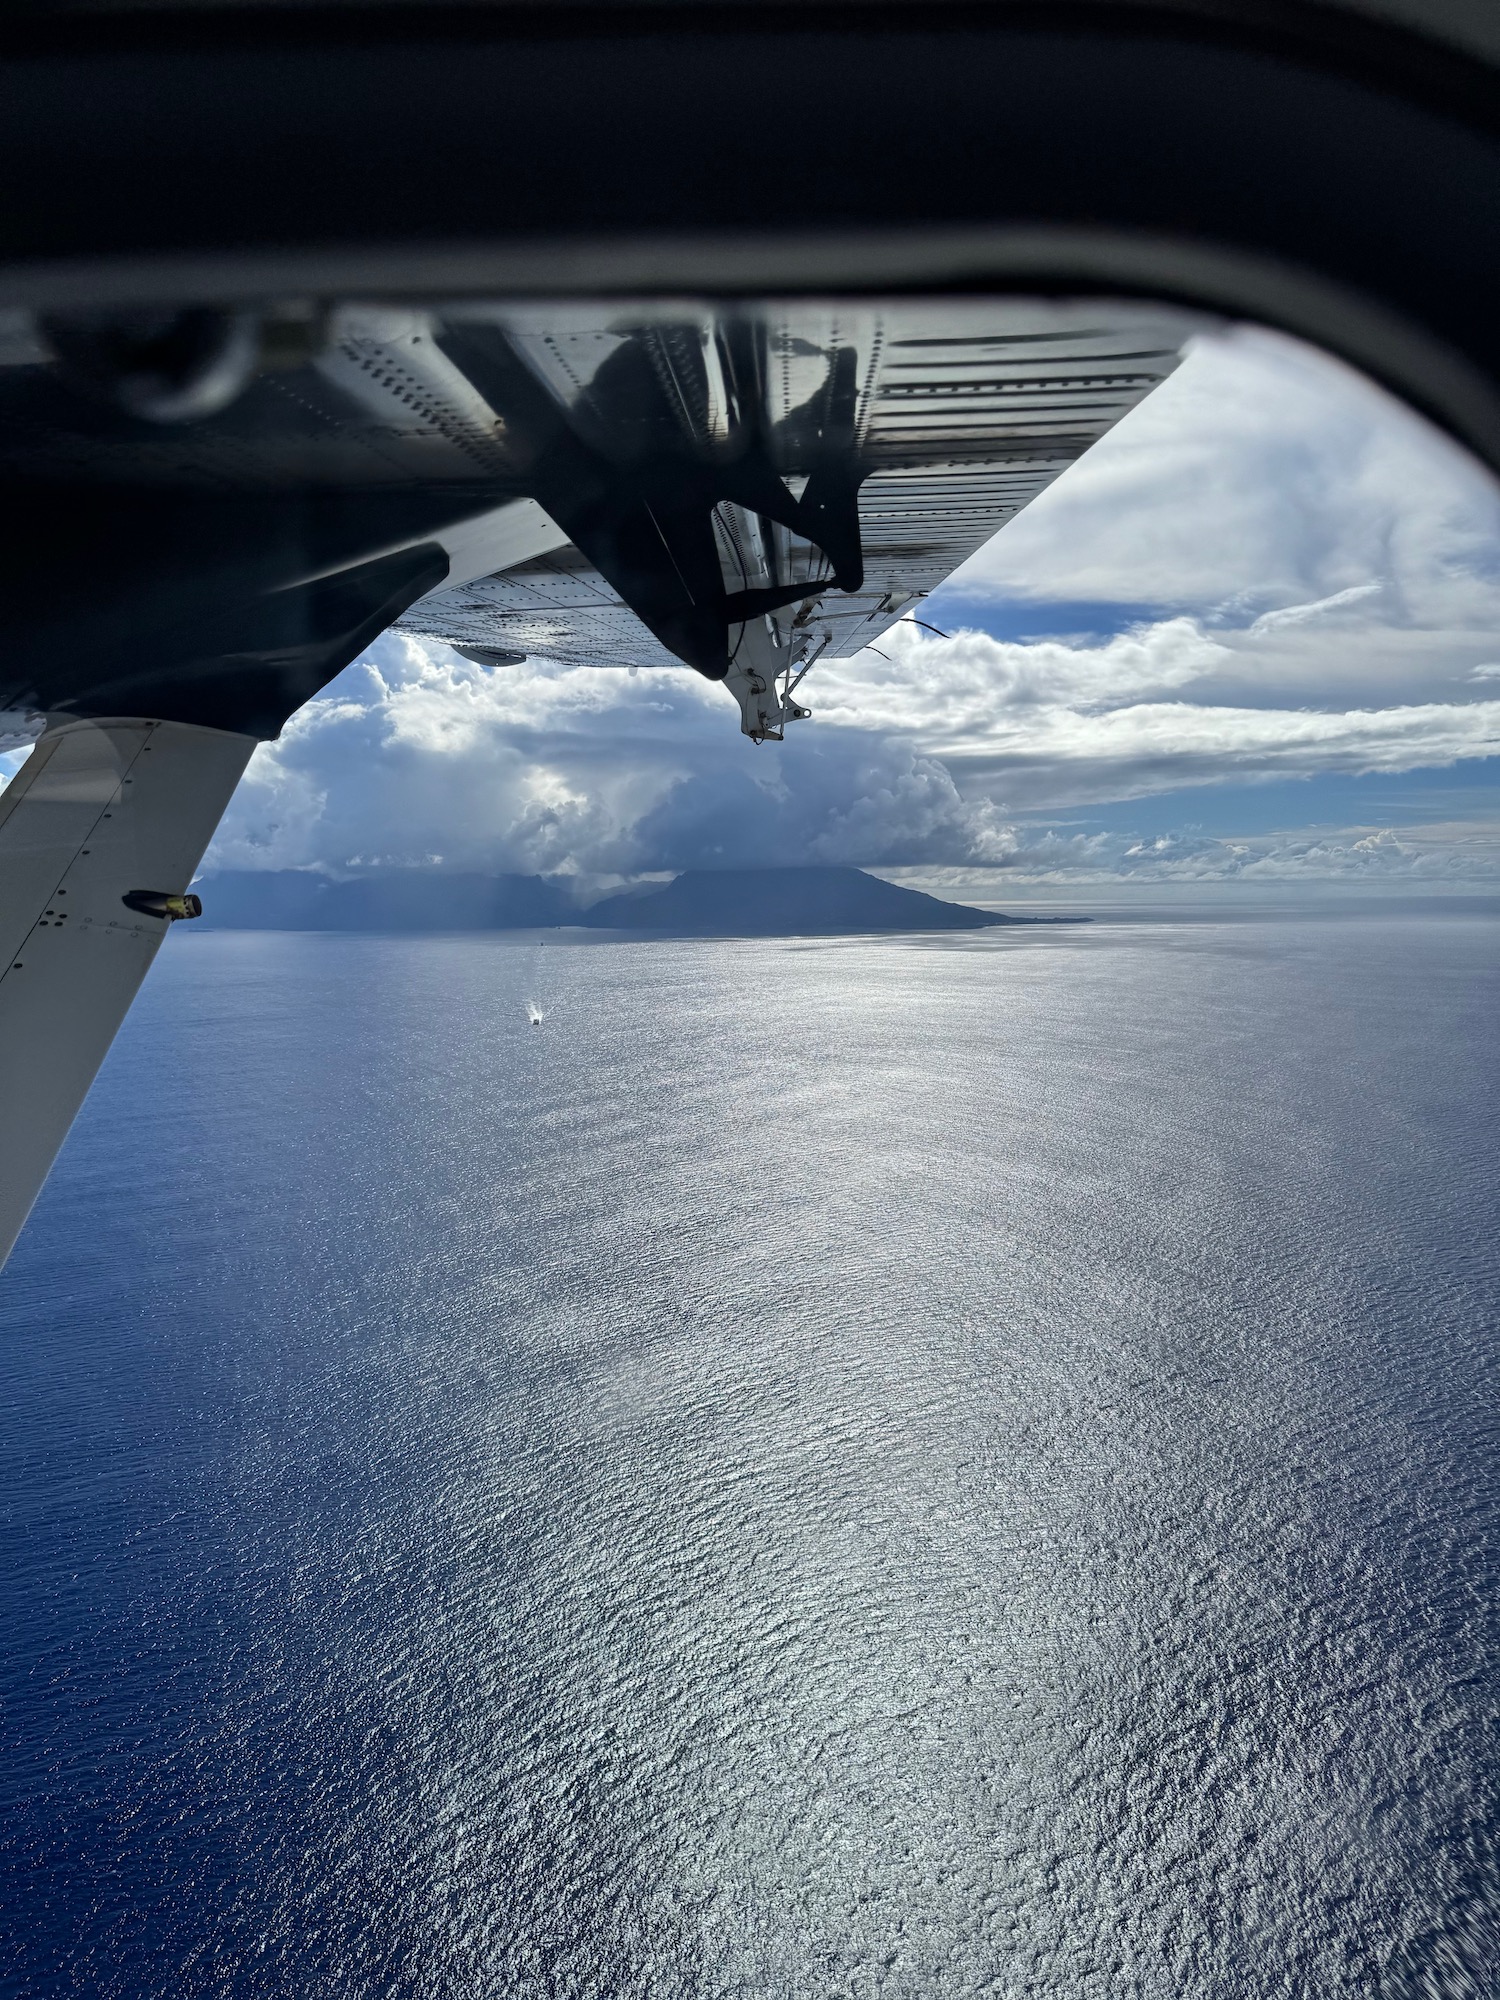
[(156, 903)]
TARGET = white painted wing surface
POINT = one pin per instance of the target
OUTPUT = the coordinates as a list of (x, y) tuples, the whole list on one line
[(99, 809)]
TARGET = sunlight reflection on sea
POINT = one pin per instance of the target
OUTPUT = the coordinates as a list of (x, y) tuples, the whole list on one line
[(917, 1467)]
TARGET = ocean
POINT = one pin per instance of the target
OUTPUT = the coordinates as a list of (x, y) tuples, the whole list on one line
[(906, 1467)]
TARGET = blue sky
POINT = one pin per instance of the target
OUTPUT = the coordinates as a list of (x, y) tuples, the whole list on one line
[(1252, 638)]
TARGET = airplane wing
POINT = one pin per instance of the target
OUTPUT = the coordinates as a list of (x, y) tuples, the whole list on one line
[(213, 511), (938, 422)]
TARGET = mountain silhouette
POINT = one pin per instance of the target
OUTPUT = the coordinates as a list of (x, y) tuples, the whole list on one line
[(784, 902), (703, 902)]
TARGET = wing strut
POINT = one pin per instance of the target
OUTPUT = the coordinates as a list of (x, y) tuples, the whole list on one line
[(100, 832)]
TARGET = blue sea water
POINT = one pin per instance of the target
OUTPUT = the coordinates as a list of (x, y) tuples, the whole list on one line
[(905, 1467)]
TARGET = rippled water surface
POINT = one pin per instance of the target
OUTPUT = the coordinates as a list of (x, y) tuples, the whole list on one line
[(914, 1467)]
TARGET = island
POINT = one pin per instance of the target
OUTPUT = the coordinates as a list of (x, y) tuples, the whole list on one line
[(701, 902), (783, 902)]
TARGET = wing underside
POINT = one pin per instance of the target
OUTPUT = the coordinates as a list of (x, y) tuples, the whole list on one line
[(742, 486), (946, 420)]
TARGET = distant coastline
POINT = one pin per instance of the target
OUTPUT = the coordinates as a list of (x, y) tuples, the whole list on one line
[(701, 902)]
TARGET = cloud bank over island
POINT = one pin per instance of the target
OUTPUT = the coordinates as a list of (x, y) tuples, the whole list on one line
[(1268, 574)]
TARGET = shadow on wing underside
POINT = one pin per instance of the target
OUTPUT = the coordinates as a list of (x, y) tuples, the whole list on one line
[(742, 487)]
